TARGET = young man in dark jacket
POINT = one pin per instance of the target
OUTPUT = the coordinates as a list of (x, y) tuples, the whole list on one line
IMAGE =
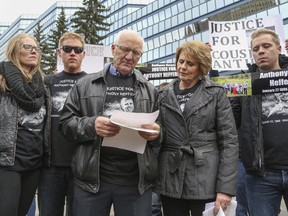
[(262, 122), (56, 181)]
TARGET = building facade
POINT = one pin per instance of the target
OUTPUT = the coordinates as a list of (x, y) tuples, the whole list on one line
[(27, 23), (164, 24)]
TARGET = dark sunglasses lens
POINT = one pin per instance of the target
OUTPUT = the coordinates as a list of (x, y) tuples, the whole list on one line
[(68, 49), (78, 50)]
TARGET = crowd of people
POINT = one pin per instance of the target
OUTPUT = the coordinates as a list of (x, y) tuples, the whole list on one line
[(236, 88), (203, 148)]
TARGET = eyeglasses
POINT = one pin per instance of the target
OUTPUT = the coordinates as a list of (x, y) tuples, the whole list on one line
[(68, 49), (29, 47), (127, 50)]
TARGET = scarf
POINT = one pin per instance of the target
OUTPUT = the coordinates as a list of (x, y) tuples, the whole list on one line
[(29, 95)]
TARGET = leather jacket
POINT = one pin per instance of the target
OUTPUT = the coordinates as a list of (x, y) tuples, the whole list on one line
[(84, 104), (9, 126), (248, 116), (199, 151)]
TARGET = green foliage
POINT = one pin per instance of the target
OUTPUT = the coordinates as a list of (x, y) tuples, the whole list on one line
[(89, 21), (61, 28), (42, 39)]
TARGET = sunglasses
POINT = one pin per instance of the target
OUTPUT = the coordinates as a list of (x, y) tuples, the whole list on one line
[(29, 47), (68, 49)]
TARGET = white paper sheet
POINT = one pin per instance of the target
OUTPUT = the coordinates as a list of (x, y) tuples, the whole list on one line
[(130, 123), (230, 211)]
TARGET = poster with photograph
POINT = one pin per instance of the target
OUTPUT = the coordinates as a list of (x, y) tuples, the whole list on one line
[(230, 41), (255, 83)]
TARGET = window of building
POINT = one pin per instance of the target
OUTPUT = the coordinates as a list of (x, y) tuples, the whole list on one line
[(195, 3), (188, 4), (156, 42), (156, 53), (150, 21), (139, 25), (150, 31), (175, 35), (168, 23), (161, 3), (144, 33), (161, 15), (181, 7), (155, 5), (181, 18), (150, 45), (219, 4), (156, 28), (149, 8), (162, 26), (150, 56), (144, 23), (168, 13), (174, 9), (169, 37), (203, 9), (195, 12), (169, 49), (162, 51), (174, 20), (162, 40), (156, 18), (211, 5), (188, 14)]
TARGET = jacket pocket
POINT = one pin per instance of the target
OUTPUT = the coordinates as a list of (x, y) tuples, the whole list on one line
[(85, 163)]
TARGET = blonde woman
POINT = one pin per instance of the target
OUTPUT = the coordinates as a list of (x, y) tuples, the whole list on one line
[(22, 97)]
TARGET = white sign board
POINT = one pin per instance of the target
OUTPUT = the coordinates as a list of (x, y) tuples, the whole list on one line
[(95, 58), (230, 41)]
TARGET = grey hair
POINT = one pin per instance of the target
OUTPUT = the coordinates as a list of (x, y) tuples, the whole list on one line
[(128, 31)]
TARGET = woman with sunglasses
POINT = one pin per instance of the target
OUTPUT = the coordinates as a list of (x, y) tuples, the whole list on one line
[(23, 127)]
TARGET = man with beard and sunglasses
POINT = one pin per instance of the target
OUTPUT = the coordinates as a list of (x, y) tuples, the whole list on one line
[(56, 181)]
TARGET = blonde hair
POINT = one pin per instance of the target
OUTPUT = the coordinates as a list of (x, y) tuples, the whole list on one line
[(71, 35), (13, 53), (262, 31), (198, 50)]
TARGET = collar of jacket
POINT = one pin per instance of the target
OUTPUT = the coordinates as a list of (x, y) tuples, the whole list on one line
[(102, 75), (206, 83), (283, 62), (113, 71)]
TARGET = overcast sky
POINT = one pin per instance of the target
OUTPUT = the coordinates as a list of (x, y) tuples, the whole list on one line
[(12, 9)]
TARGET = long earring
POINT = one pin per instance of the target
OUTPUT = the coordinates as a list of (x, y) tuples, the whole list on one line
[(200, 77)]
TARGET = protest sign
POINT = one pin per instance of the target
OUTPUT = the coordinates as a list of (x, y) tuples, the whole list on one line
[(246, 84), (230, 41), (96, 57), (158, 71), (235, 85), (270, 82)]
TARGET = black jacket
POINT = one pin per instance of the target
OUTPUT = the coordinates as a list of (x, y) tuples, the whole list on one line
[(84, 104), (9, 126), (248, 116)]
